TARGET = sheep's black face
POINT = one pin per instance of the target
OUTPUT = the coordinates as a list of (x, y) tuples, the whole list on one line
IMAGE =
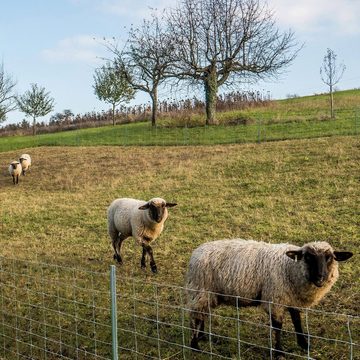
[(318, 264), (157, 212)]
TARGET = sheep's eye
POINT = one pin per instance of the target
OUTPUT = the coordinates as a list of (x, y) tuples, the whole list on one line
[(307, 257)]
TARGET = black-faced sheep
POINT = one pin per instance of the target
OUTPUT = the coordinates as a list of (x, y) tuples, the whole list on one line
[(260, 272), (15, 171), (144, 220)]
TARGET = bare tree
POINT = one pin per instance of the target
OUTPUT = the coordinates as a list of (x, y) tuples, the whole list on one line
[(146, 59), (35, 102), (331, 73), (112, 87), (7, 96), (221, 42)]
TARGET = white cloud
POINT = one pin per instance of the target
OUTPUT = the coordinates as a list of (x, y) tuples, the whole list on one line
[(80, 48), (340, 16)]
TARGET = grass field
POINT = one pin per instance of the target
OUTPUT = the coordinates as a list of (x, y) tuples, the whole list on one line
[(289, 191), (299, 118)]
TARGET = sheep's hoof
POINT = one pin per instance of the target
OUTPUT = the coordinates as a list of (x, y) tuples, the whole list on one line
[(143, 266), (194, 345), (153, 268), (302, 342), (118, 258)]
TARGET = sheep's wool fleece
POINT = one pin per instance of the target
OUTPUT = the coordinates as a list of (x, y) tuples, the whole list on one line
[(255, 270), (125, 216), (25, 161), (17, 170)]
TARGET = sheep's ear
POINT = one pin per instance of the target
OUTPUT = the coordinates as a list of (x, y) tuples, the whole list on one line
[(342, 255), (170, 204), (144, 207), (294, 254)]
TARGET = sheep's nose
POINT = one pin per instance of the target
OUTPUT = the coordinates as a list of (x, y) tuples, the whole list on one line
[(320, 281)]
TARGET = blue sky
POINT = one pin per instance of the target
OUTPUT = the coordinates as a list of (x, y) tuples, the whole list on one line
[(57, 44)]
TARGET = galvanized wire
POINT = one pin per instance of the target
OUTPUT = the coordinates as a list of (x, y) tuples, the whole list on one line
[(56, 312)]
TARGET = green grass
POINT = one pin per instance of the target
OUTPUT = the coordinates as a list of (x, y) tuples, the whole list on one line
[(297, 118), (290, 191)]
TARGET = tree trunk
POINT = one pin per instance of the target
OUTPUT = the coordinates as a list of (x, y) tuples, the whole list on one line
[(154, 98), (331, 103), (211, 88), (113, 114), (34, 126)]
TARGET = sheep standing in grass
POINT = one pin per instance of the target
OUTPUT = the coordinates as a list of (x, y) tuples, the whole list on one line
[(140, 219), (15, 171), (255, 273), (25, 161)]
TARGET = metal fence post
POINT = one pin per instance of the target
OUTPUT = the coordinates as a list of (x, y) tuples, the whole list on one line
[(114, 337)]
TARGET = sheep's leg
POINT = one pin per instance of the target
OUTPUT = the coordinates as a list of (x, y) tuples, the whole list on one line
[(202, 335), (117, 240), (152, 260), (143, 263), (148, 250), (296, 319), (197, 327), (13, 179), (277, 326)]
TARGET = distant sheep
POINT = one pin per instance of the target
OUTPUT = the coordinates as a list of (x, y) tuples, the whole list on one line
[(15, 171), (140, 219), (25, 161), (258, 273)]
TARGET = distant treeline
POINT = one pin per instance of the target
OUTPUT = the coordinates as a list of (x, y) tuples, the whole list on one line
[(235, 100)]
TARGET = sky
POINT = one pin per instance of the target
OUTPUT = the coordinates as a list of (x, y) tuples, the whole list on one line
[(58, 44)]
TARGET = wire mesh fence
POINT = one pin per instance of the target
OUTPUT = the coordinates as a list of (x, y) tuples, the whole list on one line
[(54, 312), (154, 324)]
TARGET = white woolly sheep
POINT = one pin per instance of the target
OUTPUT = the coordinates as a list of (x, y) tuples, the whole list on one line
[(15, 171), (25, 161), (255, 273), (140, 219)]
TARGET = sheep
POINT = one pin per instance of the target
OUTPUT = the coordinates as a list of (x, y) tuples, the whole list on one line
[(25, 161), (15, 171), (255, 273), (140, 219)]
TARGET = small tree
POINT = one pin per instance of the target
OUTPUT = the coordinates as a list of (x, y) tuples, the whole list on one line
[(7, 97), (225, 42), (146, 58), (331, 73), (112, 87), (35, 102)]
